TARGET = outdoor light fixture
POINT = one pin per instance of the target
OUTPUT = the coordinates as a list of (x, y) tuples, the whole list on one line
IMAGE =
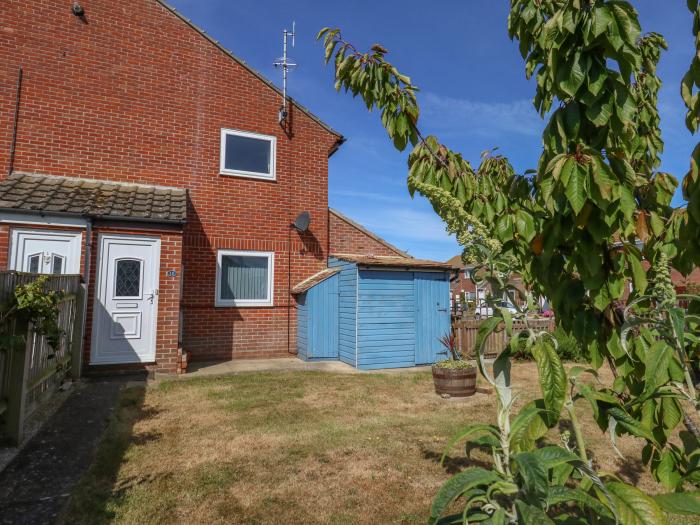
[(78, 10)]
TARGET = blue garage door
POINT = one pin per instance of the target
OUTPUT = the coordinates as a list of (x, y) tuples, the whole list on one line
[(432, 316)]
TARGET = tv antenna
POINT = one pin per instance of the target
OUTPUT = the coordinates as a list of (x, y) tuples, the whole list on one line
[(286, 65)]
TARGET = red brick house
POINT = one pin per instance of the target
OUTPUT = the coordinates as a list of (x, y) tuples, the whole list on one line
[(138, 152), (347, 236), (462, 288)]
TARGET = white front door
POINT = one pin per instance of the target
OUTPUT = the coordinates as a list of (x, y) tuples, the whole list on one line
[(126, 300), (45, 251)]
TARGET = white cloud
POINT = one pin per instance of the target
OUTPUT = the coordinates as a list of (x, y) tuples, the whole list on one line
[(368, 195), (482, 119)]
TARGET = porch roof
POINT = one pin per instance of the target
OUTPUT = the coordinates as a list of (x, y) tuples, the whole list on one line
[(48, 194), (312, 281)]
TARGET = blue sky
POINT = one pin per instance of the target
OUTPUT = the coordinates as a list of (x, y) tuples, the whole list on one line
[(474, 94)]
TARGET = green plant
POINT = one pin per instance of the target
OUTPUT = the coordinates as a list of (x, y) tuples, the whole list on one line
[(449, 342), (32, 303), (666, 338), (570, 227), (454, 359), (569, 349), (452, 364)]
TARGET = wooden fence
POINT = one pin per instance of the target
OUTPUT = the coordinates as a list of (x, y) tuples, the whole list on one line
[(32, 370), (465, 331)]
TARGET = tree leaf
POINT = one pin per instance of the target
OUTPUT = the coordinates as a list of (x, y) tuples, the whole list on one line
[(666, 471), (685, 503), (533, 474), (466, 432), (601, 19), (572, 75), (627, 203), (634, 507), (528, 426), (552, 456), (655, 367), (559, 495), (639, 276), (525, 225), (630, 424), (600, 111), (531, 515), (576, 189), (552, 378), (457, 485)]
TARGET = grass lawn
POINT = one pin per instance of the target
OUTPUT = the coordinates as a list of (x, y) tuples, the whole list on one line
[(296, 447)]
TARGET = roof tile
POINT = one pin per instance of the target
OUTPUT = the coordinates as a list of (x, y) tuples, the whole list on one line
[(94, 198)]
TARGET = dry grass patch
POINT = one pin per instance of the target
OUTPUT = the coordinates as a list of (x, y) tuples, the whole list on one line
[(297, 447)]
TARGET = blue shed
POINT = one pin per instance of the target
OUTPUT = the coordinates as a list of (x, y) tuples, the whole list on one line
[(374, 312)]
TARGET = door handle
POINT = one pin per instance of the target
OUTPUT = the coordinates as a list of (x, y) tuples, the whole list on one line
[(152, 295)]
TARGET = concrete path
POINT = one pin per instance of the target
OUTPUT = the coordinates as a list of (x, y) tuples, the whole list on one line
[(36, 484), (283, 364)]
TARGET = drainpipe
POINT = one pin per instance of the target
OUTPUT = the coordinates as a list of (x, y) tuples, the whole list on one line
[(86, 278), (13, 144)]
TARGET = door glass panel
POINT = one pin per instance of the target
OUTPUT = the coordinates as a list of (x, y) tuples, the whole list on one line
[(128, 278), (34, 262), (56, 264)]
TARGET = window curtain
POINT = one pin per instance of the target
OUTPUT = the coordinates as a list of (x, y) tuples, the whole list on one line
[(244, 277)]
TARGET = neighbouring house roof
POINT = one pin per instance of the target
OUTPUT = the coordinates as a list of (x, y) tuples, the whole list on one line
[(47, 194), (364, 230), (456, 261), (391, 261), (316, 278), (256, 73)]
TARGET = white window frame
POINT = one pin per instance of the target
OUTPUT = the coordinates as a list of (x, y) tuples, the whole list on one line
[(268, 301), (242, 173)]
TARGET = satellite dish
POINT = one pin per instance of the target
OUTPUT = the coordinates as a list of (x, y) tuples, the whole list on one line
[(302, 221)]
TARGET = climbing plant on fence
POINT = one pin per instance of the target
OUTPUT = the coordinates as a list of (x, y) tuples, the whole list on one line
[(31, 303), (577, 228)]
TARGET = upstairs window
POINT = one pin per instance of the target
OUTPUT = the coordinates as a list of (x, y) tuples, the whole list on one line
[(244, 278), (247, 154)]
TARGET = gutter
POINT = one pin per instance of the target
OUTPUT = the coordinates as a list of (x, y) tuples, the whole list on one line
[(91, 216), (336, 146)]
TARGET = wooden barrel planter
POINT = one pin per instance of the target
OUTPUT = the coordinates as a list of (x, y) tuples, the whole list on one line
[(454, 382)]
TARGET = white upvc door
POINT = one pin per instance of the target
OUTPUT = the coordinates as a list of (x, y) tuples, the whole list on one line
[(126, 300), (45, 251)]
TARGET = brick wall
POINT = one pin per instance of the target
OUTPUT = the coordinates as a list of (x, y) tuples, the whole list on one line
[(4, 246), (461, 283), (683, 283), (349, 237), (135, 94)]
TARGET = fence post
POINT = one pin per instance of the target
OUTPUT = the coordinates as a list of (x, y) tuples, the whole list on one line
[(76, 338), (19, 368), (458, 327)]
